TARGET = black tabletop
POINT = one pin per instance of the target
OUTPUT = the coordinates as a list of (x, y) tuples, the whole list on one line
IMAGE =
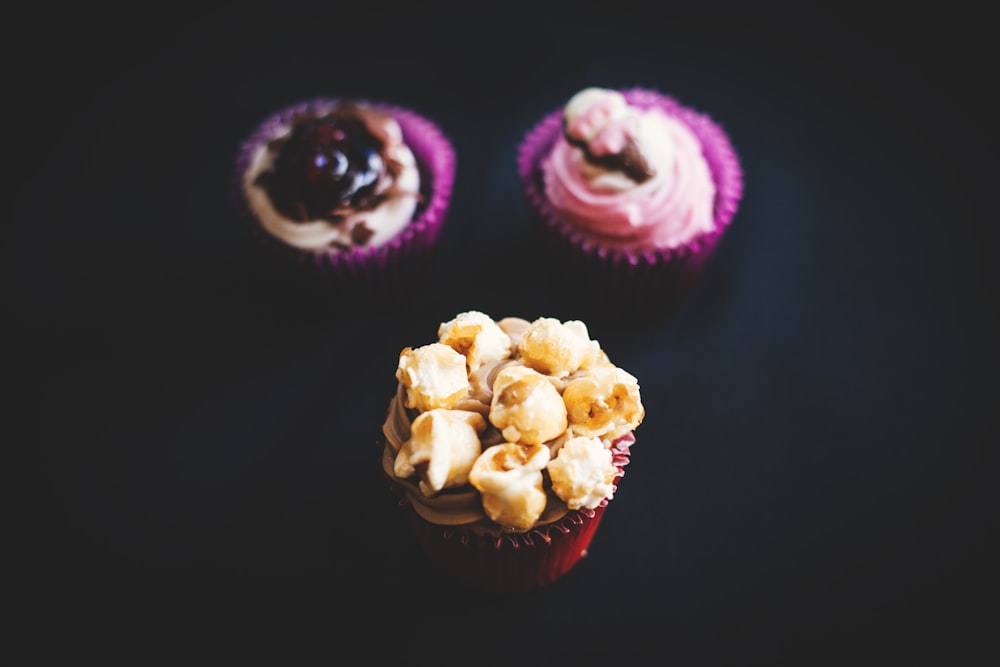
[(811, 477)]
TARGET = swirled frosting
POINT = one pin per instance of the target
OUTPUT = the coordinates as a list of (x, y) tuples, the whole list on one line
[(334, 179), (632, 177), (538, 426)]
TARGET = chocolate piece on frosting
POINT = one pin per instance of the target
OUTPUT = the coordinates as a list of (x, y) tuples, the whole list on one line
[(630, 161), (360, 233)]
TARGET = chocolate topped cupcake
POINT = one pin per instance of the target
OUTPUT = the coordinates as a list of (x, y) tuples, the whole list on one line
[(353, 193)]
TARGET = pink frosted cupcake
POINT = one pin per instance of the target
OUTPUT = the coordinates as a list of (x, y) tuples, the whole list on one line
[(351, 193), (504, 443), (633, 192)]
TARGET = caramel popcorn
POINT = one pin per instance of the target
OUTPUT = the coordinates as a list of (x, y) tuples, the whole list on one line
[(477, 336), (526, 407), (604, 402), (442, 447), (558, 348), (509, 477), (515, 422), (583, 473), (434, 376)]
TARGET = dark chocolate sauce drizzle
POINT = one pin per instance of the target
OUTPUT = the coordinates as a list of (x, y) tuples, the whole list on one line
[(327, 167)]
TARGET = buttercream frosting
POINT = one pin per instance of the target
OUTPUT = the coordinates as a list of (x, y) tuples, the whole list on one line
[(629, 176)]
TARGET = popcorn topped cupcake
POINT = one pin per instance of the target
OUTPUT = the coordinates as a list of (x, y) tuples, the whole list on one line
[(351, 193), (506, 439)]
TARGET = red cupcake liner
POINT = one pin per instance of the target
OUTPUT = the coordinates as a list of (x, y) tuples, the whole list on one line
[(513, 562), (365, 271), (612, 280)]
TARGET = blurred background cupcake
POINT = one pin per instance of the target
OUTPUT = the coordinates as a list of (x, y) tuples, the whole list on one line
[(351, 195), (632, 192)]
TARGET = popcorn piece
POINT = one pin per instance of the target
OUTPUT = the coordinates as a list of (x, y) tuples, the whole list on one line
[(583, 473), (603, 403), (477, 336), (509, 478), (442, 447), (434, 376), (526, 407), (556, 348)]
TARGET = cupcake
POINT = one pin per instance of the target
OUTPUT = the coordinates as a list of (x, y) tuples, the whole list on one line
[(351, 194), (504, 443), (632, 192)]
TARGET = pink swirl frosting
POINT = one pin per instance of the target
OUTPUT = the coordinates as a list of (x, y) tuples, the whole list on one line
[(632, 177)]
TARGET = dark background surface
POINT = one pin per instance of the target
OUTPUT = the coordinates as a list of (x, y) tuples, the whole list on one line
[(812, 483)]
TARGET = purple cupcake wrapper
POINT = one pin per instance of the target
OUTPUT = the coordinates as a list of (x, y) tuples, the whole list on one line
[(621, 270), (411, 248)]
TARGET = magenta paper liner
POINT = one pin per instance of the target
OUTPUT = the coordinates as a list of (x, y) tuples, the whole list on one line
[(391, 265), (651, 279), (513, 562)]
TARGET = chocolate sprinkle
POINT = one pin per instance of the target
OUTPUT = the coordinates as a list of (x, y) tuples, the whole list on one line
[(360, 233)]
